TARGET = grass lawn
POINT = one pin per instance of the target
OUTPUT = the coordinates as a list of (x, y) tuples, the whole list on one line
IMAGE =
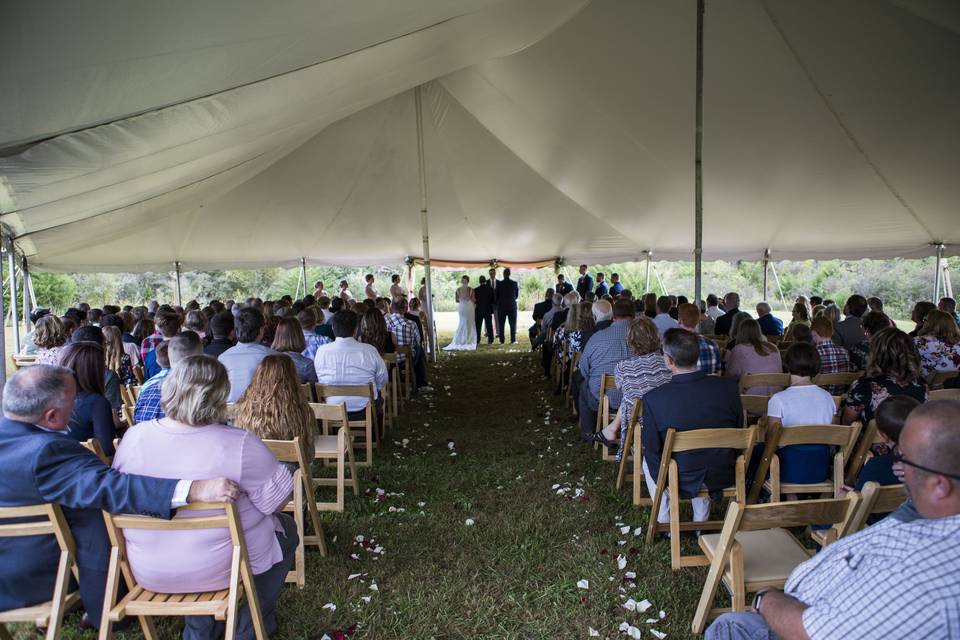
[(514, 572)]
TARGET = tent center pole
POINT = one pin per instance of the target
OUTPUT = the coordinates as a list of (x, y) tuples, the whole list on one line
[(177, 290), (766, 269), (303, 275), (27, 310), (421, 166), (12, 267), (698, 165), (646, 286), (937, 271)]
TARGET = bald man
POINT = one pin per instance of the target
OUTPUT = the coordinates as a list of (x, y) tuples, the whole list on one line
[(895, 579)]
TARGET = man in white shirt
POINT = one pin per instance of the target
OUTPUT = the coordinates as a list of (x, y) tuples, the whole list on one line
[(663, 320), (242, 360), (346, 361), (713, 307)]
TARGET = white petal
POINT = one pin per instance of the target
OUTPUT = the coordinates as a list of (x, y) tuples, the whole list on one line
[(583, 584), (663, 614), (621, 562), (354, 576), (374, 587), (643, 606), (658, 634), (366, 599), (630, 605), (634, 633), (630, 575), (625, 529), (330, 606), (638, 531), (593, 633), (469, 522), (624, 626)]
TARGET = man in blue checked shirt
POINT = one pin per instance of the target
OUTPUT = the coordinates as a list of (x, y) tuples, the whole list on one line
[(895, 579), (688, 317), (169, 354)]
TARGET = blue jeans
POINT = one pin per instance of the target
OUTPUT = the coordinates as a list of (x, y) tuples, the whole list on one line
[(740, 626), (269, 585)]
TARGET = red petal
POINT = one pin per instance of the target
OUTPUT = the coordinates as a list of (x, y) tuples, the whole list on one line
[(632, 552), (603, 552)]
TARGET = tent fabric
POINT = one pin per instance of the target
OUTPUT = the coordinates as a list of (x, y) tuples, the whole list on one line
[(552, 128)]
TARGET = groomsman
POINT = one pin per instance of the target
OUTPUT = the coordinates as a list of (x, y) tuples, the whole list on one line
[(492, 281), (507, 293), (584, 283), (615, 287), (484, 295), (563, 287), (601, 285)]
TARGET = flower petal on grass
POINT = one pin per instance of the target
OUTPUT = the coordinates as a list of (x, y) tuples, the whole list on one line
[(593, 633), (621, 562), (625, 529), (643, 605), (330, 606), (658, 634), (469, 522), (583, 584)]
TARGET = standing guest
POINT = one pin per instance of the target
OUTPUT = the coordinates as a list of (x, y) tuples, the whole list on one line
[(415, 316), (348, 362), (344, 292), (873, 323), (396, 289), (563, 287), (713, 307), (893, 370), (709, 361), (242, 360), (635, 376), (601, 289), (938, 343), (116, 359), (753, 354), (663, 320), (221, 328), (507, 293), (732, 305), (484, 296), (601, 355), (272, 407), (370, 291), (833, 359), (865, 585), (691, 400), (49, 336), (800, 317), (816, 300), (169, 354), (492, 281), (373, 331), (850, 332), (92, 415), (615, 287), (770, 324), (406, 334), (949, 306), (289, 339), (319, 291), (674, 301), (194, 441), (707, 325), (584, 282), (308, 326), (168, 324)]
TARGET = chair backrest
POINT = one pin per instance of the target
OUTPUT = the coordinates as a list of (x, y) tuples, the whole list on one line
[(361, 390), (877, 499), (944, 394), (837, 435), (799, 513), (755, 405), (52, 523), (306, 391), (228, 518), (836, 379), (937, 378), (607, 383), (20, 361), (332, 412), (729, 438), (750, 380), (389, 358), (405, 350), (94, 446)]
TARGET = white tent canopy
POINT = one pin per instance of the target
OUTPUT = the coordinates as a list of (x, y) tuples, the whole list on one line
[(229, 134)]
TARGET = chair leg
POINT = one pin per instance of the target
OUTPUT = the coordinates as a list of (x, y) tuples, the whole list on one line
[(354, 478), (674, 493), (110, 595), (59, 596), (341, 469), (738, 602), (253, 602), (299, 555), (627, 440)]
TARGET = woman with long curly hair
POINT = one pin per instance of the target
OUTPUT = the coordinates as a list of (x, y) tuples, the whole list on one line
[(272, 407), (373, 330), (893, 369)]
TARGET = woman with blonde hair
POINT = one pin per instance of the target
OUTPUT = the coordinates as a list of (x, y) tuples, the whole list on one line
[(636, 376), (193, 442), (893, 369), (938, 343), (50, 335), (273, 408), (753, 354), (115, 356)]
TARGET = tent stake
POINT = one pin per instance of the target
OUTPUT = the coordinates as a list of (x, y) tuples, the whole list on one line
[(431, 326), (12, 267), (698, 164), (176, 266), (936, 272)]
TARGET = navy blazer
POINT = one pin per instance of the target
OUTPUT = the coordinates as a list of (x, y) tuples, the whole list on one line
[(507, 293), (601, 289), (770, 325), (585, 285), (44, 466), (540, 309), (692, 401), (484, 296)]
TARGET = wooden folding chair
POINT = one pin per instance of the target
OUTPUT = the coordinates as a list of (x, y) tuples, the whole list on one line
[(126, 395), (138, 374), (395, 398), (632, 452), (223, 604), (338, 448), (96, 449), (944, 394), (607, 383), (668, 481), (407, 375), (135, 390), (874, 499), (21, 361), (841, 436), (127, 412), (936, 378), (303, 497), (832, 381), (755, 550), (861, 453), (367, 426), (750, 380), (755, 409), (50, 521), (306, 392), (574, 363)]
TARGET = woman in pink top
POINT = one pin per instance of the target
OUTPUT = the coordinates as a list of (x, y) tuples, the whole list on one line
[(193, 443), (753, 354)]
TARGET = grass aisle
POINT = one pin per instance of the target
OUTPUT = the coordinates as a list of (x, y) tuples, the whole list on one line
[(513, 573)]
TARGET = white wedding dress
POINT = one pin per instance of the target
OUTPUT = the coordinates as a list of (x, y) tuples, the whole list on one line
[(466, 337)]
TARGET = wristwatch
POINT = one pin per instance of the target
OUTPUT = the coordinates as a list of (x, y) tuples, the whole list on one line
[(757, 599)]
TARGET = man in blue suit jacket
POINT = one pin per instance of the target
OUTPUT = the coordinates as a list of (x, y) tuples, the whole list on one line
[(507, 293), (770, 325), (584, 283), (691, 400), (41, 463)]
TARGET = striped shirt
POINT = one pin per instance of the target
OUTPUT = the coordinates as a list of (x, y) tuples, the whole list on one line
[(892, 580), (635, 377)]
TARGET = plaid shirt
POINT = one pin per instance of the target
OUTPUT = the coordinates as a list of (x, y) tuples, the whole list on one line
[(710, 361), (405, 330), (313, 341), (833, 359), (148, 402), (149, 344)]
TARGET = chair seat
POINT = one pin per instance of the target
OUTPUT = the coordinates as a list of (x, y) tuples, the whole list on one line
[(39, 614), (768, 555), (142, 602), (325, 446)]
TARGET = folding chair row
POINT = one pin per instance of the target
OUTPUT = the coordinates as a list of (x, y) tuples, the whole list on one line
[(607, 383)]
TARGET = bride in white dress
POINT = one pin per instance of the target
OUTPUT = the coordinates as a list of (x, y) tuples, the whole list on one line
[(466, 337)]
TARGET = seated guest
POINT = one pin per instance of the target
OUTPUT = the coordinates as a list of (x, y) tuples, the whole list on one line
[(801, 333), (802, 403), (731, 303), (42, 464), (919, 315), (164, 315), (949, 306), (663, 319), (602, 311), (688, 317), (221, 328), (892, 370), (407, 335), (800, 317), (563, 287), (244, 358), (650, 305), (168, 323), (169, 354), (373, 330), (346, 361), (131, 350), (770, 324), (324, 303), (938, 343), (713, 307), (92, 414), (603, 352), (891, 415), (288, 339), (111, 382), (193, 441), (873, 323), (707, 325), (850, 332), (547, 321), (816, 300), (866, 585), (29, 346), (272, 407), (833, 359), (691, 400), (117, 359), (635, 376), (568, 340), (539, 311), (753, 354), (49, 336), (308, 325), (195, 321)]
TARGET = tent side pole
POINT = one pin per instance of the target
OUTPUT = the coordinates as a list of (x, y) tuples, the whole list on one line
[(178, 291), (766, 269), (698, 164), (27, 309), (646, 287), (421, 166), (936, 273), (12, 267), (3, 339)]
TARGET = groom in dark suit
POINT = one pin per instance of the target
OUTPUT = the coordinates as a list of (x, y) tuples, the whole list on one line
[(507, 293), (484, 295)]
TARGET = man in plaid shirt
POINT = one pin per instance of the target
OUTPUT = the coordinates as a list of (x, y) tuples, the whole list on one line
[(407, 335), (833, 359), (169, 354), (688, 317), (165, 317)]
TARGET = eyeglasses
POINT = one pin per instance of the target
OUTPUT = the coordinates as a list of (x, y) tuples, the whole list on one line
[(898, 457)]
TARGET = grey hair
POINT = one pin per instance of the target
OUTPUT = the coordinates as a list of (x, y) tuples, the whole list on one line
[(571, 299), (30, 392), (602, 310), (195, 392), (557, 299)]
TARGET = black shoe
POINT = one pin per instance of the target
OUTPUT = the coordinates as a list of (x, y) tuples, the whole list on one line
[(609, 444)]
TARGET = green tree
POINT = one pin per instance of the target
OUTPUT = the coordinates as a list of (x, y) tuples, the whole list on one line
[(57, 291)]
